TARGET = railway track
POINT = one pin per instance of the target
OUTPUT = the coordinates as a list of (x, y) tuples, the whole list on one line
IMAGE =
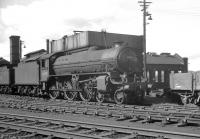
[(35, 101), (48, 127), (166, 114), (176, 115)]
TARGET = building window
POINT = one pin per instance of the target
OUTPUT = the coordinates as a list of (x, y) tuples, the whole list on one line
[(162, 76), (156, 76)]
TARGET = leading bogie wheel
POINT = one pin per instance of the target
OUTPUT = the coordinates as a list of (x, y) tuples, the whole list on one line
[(100, 97), (119, 97), (184, 99)]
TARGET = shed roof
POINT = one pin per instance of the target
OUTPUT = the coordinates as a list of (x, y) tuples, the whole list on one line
[(3, 62), (35, 52), (164, 58)]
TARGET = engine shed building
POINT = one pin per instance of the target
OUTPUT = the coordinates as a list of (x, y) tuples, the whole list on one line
[(160, 66), (3, 62)]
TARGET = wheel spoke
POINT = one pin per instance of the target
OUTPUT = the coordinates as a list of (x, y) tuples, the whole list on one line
[(119, 97)]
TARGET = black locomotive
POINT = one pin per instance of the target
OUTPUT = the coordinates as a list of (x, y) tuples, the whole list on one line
[(87, 65)]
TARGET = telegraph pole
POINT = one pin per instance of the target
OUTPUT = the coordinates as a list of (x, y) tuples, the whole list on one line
[(144, 5)]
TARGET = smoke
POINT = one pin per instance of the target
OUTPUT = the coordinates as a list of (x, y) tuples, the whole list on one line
[(36, 20), (6, 3)]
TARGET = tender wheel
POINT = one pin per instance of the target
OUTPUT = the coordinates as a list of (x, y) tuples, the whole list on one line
[(87, 93), (119, 97), (22, 90), (35, 91), (6, 90), (68, 94), (25, 91), (100, 97), (53, 94), (29, 91), (19, 90), (3, 90), (184, 99)]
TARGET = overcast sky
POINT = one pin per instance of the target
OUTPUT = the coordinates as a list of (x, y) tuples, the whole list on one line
[(175, 26)]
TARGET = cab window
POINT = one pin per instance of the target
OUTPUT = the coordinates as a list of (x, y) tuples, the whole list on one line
[(44, 63)]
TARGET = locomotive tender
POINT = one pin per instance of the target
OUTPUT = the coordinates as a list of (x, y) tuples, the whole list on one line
[(89, 65)]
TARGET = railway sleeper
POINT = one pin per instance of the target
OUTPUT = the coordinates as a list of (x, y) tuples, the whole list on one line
[(57, 126), (89, 131), (183, 122), (28, 136), (77, 127), (134, 135), (135, 118), (167, 121), (45, 124), (30, 123), (106, 133), (124, 117), (22, 121), (4, 130), (14, 133), (147, 119)]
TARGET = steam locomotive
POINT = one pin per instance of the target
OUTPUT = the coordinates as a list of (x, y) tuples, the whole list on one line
[(87, 65)]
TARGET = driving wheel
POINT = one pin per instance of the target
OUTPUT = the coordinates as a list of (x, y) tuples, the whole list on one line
[(53, 93), (69, 95), (87, 93)]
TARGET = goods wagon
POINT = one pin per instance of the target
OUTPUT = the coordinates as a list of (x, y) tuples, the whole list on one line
[(181, 81), (187, 85)]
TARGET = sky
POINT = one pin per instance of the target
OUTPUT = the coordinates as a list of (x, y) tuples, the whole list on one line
[(175, 26)]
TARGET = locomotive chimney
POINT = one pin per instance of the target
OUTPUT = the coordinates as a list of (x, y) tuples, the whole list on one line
[(15, 50), (185, 60), (47, 43)]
